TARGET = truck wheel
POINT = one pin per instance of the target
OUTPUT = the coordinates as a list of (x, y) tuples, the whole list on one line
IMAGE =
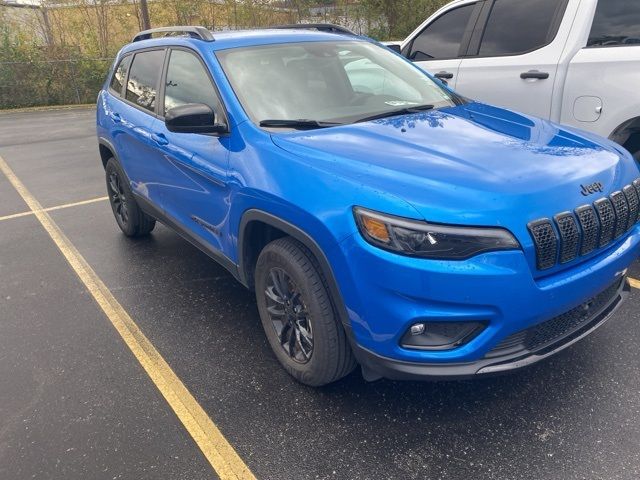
[(298, 316), (130, 218)]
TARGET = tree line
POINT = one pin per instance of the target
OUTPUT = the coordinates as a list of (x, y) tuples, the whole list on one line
[(59, 52)]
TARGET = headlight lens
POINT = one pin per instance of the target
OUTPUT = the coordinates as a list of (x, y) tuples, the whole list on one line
[(427, 240)]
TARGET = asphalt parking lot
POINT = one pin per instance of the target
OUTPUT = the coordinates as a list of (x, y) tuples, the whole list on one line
[(76, 403)]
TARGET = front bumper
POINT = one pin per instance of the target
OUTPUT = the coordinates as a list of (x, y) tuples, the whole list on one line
[(511, 354), (385, 294)]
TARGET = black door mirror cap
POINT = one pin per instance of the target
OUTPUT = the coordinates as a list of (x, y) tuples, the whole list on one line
[(193, 118)]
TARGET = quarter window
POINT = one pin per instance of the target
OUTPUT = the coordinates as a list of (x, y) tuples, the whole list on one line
[(142, 85), (442, 38), (120, 75), (617, 23), (188, 82), (519, 26)]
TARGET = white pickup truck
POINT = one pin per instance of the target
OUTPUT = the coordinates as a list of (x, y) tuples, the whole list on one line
[(575, 62)]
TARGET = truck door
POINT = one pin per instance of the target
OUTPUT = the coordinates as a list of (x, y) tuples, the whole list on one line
[(437, 48), (514, 53)]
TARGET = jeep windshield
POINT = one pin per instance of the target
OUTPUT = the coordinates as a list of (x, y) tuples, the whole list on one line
[(322, 84)]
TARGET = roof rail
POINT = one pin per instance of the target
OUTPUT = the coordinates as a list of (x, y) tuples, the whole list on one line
[(322, 27), (200, 33)]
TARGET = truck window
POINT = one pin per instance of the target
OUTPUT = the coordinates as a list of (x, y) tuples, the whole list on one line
[(441, 39), (617, 23), (519, 26)]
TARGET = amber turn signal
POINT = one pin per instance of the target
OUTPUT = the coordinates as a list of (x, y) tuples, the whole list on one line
[(376, 229)]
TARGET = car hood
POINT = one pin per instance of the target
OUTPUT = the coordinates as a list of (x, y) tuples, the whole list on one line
[(472, 164)]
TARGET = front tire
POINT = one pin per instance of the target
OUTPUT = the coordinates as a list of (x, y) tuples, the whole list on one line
[(130, 218), (298, 316)]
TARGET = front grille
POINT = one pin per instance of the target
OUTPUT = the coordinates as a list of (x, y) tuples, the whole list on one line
[(607, 217), (575, 234), (563, 326), (634, 204), (621, 207), (568, 228), (590, 227), (546, 243)]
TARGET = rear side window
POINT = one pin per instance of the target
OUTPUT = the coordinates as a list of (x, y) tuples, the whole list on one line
[(143, 80), (120, 75), (442, 38), (519, 26), (188, 82), (617, 23)]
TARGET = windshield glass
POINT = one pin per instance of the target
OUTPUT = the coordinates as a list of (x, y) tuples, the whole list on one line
[(327, 82)]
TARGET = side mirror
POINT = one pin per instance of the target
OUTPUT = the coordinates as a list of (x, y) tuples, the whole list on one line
[(193, 118)]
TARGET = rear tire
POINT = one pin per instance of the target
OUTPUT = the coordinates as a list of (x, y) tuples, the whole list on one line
[(298, 315), (130, 218)]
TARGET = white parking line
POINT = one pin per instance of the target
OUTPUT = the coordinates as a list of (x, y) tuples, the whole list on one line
[(57, 207)]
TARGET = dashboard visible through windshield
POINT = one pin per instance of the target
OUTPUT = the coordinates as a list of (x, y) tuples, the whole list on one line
[(320, 84)]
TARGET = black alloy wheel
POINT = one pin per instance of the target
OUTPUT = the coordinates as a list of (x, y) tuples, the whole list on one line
[(289, 315)]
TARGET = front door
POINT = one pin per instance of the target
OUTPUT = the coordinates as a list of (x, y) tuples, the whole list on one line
[(194, 190), (437, 48)]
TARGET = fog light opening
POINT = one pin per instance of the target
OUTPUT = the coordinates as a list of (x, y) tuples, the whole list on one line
[(440, 335)]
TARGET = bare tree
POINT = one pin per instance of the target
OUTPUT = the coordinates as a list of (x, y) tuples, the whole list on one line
[(144, 14)]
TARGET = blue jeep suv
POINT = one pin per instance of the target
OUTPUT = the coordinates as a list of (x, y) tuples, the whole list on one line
[(381, 219)]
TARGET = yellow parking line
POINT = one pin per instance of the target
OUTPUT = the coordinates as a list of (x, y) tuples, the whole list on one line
[(58, 207), (634, 283), (218, 451)]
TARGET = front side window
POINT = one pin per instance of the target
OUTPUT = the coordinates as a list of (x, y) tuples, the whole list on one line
[(143, 79), (518, 26), (188, 82), (617, 23), (120, 75), (442, 38), (338, 82)]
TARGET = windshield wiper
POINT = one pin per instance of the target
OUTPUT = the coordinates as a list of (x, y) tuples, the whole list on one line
[(400, 111), (300, 124)]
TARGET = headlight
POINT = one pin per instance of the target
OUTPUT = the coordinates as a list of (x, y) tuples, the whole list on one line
[(421, 239)]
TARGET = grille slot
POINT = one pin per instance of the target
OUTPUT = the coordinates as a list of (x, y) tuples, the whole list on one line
[(546, 242), (607, 217), (569, 236), (588, 228), (634, 204), (621, 208)]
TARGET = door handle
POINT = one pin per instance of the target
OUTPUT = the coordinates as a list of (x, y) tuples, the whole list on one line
[(444, 75), (534, 74), (159, 138), (116, 117)]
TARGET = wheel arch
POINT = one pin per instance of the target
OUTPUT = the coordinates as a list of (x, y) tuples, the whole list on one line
[(107, 150), (627, 134), (257, 228)]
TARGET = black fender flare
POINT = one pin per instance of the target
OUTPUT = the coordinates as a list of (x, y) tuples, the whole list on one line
[(304, 238), (102, 141)]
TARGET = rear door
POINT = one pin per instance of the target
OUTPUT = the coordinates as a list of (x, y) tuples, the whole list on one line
[(136, 115), (513, 58), (438, 47)]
